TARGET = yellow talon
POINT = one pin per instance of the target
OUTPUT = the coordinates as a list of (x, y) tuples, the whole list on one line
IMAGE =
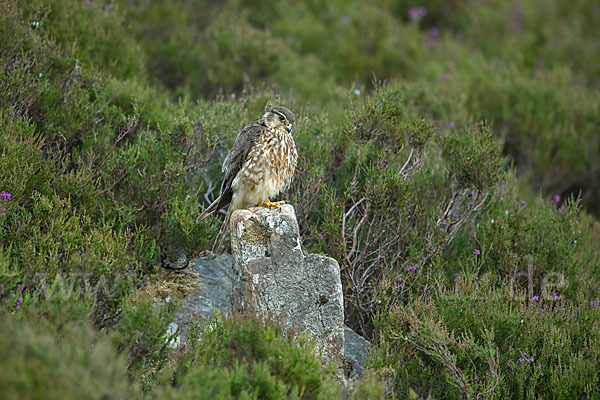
[(268, 203)]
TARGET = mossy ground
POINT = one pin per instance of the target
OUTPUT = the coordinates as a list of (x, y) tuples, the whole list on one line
[(449, 156)]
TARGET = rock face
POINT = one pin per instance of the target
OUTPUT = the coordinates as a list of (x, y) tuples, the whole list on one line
[(213, 293), (273, 277), (355, 351)]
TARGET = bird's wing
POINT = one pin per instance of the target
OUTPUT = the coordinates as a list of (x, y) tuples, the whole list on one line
[(232, 165), (238, 153)]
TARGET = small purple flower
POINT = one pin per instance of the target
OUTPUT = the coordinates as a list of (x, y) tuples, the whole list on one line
[(20, 299), (524, 203), (472, 234), (417, 13), (563, 309), (451, 124), (592, 303), (555, 296), (320, 236), (414, 267), (1, 286), (386, 166), (535, 298), (444, 78), (399, 279), (477, 252), (457, 279), (431, 121), (539, 366), (557, 198), (21, 287), (433, 32), (542, 310), (560, 210), (438, 149), (542, 374)]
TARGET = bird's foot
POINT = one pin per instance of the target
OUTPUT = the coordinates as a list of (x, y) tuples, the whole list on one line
[(269, 204)]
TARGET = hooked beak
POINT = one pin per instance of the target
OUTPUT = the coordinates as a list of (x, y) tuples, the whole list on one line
[(288, 128)]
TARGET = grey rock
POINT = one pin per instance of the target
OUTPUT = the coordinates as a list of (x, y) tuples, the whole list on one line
[(273, 277), (214, 291), (173, 337), (355, 351)]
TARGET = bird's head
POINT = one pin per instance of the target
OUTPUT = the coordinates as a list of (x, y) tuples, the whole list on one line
[(279, 118)]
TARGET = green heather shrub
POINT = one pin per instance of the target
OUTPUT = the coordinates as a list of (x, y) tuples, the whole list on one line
[(244, 357), (75, 363), (404, 197), (511, 312)]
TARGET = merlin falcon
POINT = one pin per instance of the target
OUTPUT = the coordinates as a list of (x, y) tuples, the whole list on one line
[(259, 166)]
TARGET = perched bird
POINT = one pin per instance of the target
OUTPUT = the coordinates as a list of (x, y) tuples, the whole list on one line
[(259, 166)]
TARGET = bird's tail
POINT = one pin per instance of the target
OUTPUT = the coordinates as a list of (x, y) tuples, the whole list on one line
[(222, 242), (209, 210)]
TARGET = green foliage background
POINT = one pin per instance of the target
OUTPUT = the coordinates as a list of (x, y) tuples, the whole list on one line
[(449, 160)]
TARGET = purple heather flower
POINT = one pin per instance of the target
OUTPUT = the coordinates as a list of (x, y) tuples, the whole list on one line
[(417, 13), (434, 32), (21, 287), (524, 203), (557, 198), (431, 121), (438, 149), (563, 309), (457, 279), (535, 298), (539, 365), (555, 296), (414, 267), (451, 124), (2, 286), (399, 279), (20, 299), (320, 236), (386, 166), (592, 303), (542, 310), (560, 210), (477, 252), (542, 374)]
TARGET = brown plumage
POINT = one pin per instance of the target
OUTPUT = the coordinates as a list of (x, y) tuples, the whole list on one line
[(259, 166)]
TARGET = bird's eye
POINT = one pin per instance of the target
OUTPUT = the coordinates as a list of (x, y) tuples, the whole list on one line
[(281, 117)]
